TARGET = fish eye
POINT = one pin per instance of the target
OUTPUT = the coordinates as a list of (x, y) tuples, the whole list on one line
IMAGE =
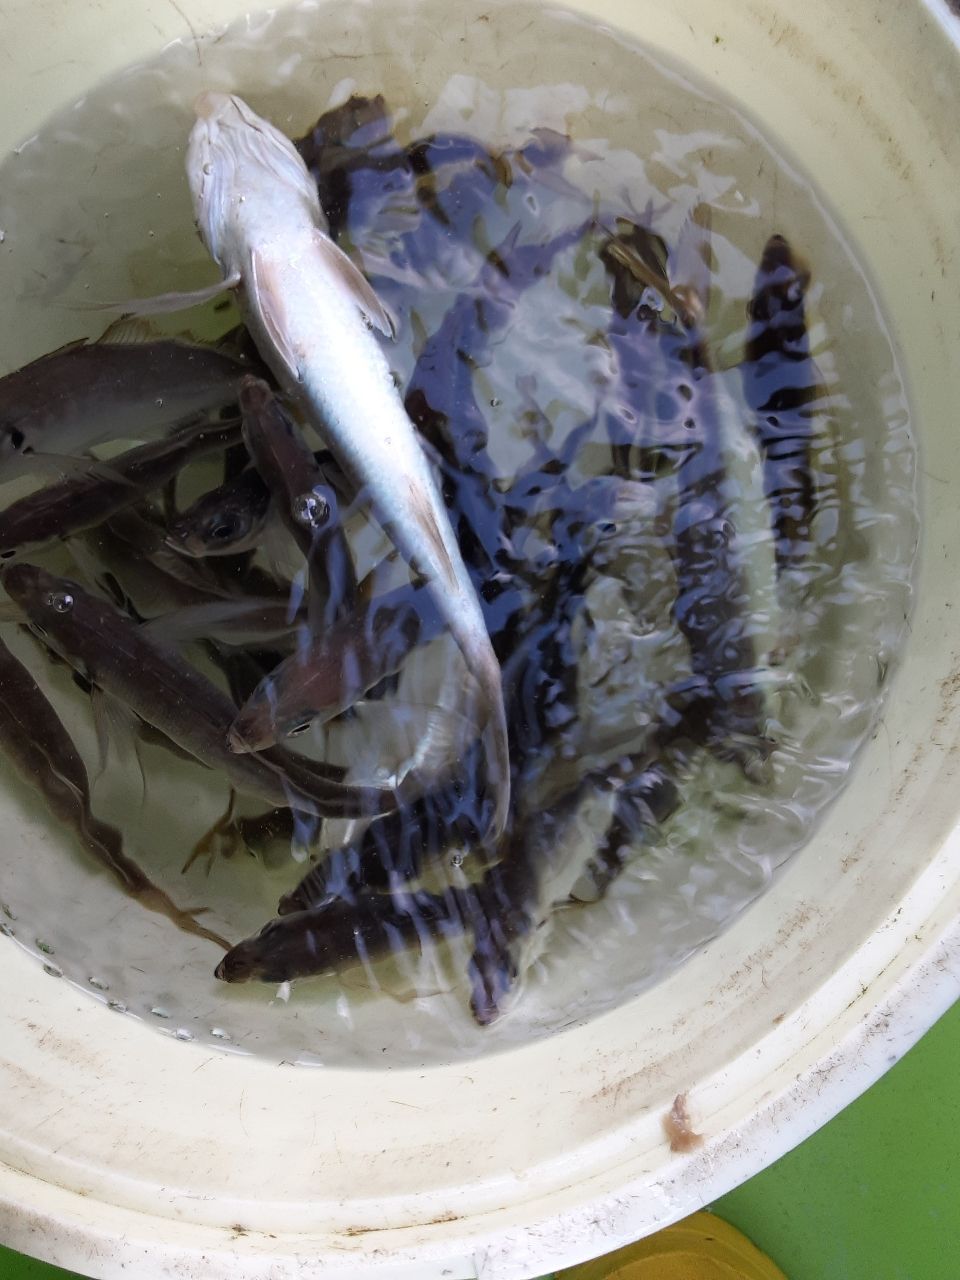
[(59, 601), (221, 532)]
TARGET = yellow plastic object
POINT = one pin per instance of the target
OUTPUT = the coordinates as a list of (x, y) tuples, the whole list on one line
[(702, 1247)]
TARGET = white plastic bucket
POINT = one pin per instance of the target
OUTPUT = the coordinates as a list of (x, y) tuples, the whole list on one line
[(123, 1152)]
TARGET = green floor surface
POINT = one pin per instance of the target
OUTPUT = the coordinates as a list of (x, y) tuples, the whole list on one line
[(873, 1196)]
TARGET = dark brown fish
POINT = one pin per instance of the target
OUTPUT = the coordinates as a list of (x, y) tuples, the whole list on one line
[(34, 739), (117, 557), (306, 502), (244, 620), (88, 393), (226, 520), (82, 501), (160, 687), (140, 534), (723, 548), (335, 671), (396, 849), (340, 934), (784, 388)]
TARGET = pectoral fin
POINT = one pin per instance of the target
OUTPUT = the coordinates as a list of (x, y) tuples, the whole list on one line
[(115, 723), (356, 283), (128, 330), (163, 303), (266, 299)]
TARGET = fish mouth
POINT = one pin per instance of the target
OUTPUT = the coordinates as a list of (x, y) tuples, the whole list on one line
[(242, 741), (185, 546), (234, 967)]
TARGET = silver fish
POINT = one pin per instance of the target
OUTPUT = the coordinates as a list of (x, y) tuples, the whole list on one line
[(310, 311)]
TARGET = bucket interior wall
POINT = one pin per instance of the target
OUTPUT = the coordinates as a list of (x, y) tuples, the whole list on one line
[(118, 1147)]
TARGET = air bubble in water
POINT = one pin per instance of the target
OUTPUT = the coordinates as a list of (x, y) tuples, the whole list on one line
[(311, 509)]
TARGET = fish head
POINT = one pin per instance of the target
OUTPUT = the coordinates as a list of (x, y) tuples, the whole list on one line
[(25, 403), (275, 954), (782, 281), (214, 531), (255, 396), (43, 597), (305, 689), (13, 441), (235, 157)]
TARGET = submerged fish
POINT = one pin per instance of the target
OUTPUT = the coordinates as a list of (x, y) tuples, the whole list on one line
[(339, 934), (309, 309), (246, 620), (396, 849), (226, 520), (118, 557), (88, 393), (124, 661), (40, 749), (725, 563), (355, 160), (784, 388), (306, 502), (724, 552), (327, 676), (142, 533), (82, 501)]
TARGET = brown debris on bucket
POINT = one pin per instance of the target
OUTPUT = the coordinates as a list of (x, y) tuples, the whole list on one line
[(677, 1127)]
